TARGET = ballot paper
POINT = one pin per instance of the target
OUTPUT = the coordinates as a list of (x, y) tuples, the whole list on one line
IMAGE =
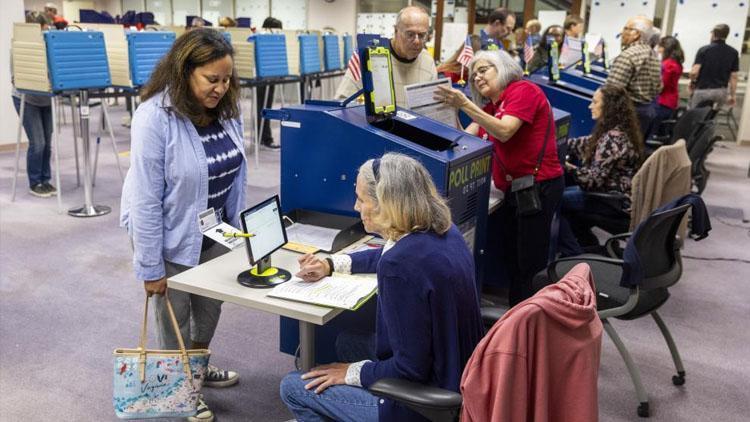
[(306, 234), (419, 99), (343, 291)]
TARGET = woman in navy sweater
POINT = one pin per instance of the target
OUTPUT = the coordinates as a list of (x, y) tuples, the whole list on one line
[(428, 320)]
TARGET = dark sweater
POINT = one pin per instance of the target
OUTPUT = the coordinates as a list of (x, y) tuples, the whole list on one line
[(428, 320)]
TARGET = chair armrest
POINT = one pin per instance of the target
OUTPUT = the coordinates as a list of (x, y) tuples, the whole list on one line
[(565, 264), (608, 245), (490, 314), (416, 395)]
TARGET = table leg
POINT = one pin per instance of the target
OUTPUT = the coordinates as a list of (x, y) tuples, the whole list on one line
[(306, 345)]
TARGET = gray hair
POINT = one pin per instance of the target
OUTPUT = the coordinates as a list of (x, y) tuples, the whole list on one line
[(645, 26), (407, 199), (508, 70)]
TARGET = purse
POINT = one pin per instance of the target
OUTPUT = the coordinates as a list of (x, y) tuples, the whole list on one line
[(158, 383), (526, 191)]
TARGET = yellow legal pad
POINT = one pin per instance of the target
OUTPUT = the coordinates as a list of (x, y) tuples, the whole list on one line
[(299, 247)]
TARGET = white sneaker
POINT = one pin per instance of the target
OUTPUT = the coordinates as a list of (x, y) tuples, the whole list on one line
[(218, 378), (203, 413)]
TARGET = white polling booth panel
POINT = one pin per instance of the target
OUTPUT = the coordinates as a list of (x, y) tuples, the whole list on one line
[(551, 17), (694, 20), (609, 16)]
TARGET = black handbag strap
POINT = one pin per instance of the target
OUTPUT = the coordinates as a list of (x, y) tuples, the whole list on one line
[(544, 145)]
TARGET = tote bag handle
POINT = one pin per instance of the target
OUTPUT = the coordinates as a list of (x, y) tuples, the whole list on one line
[(175, 327)]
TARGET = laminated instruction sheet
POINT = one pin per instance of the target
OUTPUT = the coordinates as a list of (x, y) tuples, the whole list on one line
[(419, 99)]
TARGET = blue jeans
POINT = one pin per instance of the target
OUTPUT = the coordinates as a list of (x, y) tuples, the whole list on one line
[(573, 199), (37, 122), (339, 402)]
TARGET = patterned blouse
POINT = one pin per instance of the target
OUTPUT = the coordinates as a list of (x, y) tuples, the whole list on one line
[(610, 168)]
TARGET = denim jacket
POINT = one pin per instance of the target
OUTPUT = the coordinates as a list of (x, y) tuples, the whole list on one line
[(167, 186)]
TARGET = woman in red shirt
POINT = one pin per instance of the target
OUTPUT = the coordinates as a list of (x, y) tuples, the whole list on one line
[(515, 116), (671, 69)]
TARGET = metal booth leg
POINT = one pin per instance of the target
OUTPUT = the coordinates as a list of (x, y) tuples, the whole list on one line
[(108, 123), (88, 209), (306, 345), (76, 130), (56, 148), (18, 146)]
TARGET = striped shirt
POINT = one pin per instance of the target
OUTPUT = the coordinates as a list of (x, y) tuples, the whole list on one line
[(224, 161), (638, 70)]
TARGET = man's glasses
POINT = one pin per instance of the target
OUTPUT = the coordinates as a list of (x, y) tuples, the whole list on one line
[(410, 35)]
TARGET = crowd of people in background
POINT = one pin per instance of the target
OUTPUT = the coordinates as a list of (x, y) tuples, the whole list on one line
[(198, 81)]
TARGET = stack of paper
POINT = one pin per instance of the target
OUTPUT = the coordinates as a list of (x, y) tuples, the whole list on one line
[(338, 291)]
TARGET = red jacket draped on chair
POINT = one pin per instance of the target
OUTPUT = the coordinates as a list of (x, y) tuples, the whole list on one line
[(540, 361)]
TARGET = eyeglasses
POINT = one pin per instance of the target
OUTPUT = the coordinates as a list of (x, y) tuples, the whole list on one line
[(410, 35), (628, 28), (481, 70)]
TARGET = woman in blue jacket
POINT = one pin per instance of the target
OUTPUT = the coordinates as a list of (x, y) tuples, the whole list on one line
[(428, 320), (186, 157)]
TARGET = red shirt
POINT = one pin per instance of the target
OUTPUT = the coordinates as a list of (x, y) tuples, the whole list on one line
[(671, 70), (526, 101)]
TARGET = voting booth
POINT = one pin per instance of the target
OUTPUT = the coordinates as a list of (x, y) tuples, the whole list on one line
[(324, 143)]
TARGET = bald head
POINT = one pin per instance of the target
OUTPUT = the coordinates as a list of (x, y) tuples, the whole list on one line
[(412, 14), (638, 28), (411, 30)]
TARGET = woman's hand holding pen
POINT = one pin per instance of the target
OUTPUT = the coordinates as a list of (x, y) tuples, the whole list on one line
[(312, 268)]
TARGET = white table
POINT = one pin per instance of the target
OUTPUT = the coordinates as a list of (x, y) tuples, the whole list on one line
[(217, 279)]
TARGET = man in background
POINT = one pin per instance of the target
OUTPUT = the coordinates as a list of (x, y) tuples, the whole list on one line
[(500, 24), (638, 69), (714, 72), (573, 27), (411, 61)]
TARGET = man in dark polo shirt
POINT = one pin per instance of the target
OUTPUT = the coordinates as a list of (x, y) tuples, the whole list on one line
[(714, 70)]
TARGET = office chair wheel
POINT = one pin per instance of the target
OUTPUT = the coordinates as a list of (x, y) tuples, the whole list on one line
[(643, 409), (679, 379)]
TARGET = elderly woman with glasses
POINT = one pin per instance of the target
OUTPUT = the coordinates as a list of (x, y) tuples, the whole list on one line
[(516, 117), (428, 320)]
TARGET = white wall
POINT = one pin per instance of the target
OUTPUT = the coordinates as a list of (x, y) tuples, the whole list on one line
[(341, 15), (12, 12)]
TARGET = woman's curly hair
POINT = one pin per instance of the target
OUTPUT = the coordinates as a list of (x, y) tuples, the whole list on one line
[(617, 112)]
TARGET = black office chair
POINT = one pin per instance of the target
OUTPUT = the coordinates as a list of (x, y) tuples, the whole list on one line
[(681, 128), (435, 404), (658, 248), (699, 147)]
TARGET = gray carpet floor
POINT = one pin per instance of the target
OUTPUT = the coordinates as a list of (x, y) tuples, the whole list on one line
[(68, 298)]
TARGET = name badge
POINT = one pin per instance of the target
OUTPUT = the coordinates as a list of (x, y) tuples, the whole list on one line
[(210, 224)]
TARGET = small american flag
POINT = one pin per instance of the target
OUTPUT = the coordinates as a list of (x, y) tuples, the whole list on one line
[(528, 50), (354, 66), (467, 53)]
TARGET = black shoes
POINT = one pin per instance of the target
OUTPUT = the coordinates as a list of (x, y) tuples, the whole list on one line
[(43, 190), (268, 143)]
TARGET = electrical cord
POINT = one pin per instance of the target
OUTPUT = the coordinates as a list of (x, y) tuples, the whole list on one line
[(726, 223), (702, 258)]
